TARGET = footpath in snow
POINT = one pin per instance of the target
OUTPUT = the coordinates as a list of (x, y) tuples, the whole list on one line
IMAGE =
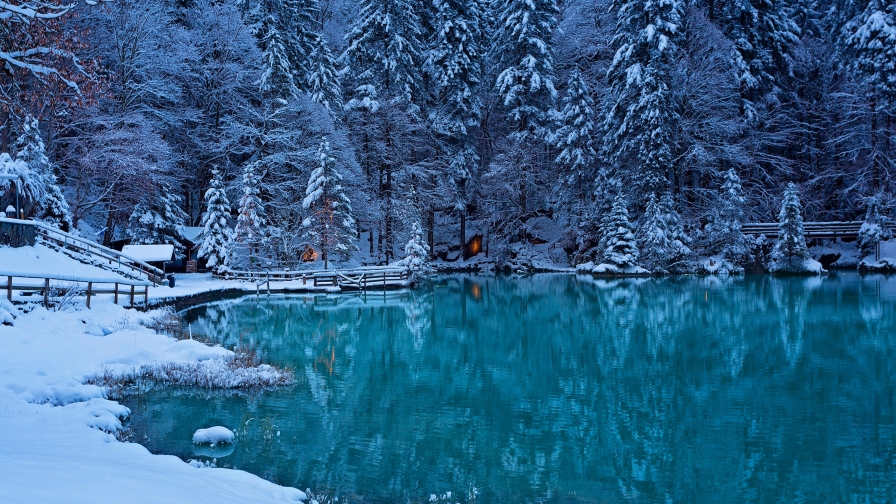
[(57, 434)]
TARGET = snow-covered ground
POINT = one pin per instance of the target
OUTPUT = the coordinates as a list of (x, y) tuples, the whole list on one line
[(57, 434)]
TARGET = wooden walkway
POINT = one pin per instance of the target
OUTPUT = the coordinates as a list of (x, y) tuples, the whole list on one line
[(848, 230), (351, 279)]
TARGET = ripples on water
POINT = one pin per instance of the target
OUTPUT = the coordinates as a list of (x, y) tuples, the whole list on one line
[(557, 389)]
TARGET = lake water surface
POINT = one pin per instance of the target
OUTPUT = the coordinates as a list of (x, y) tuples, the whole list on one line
[(555, 388)]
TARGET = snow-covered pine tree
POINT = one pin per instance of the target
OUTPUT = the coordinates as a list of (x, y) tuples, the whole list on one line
[(790, 254), (763, 35), (455, 66), (640, 126), (573, 137), (216, 234), (871, 37), (523, 50), (617, 244), (875, 229), (329, 224), (416, 252), (323, 77), (250, 236), (38, 181), (383, 53), (663, 242), (723, 232), (158, 220)]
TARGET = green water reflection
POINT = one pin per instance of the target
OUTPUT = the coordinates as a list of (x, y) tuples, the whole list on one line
[(557, 389)]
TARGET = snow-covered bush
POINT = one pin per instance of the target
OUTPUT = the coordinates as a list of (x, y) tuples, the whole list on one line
[(216, 234), (791, 255), (875, 229)]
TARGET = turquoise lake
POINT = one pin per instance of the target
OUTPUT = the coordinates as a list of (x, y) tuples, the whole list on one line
[(557, 388)]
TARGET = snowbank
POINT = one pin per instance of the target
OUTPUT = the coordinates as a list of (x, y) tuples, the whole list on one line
[(604, 269), (58, 435), (213, 436)]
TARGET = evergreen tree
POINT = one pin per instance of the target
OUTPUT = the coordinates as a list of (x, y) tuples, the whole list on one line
[(875, 229), (38, 181), (525, 58), (763, 36), (641, 123), (416, 251), (790, 254), (574, 139), (383, 53), (663, 242), (216, 234), (250, 236), (617, 243), (159, 221), (323, 77), (723, 233), (329, 224)]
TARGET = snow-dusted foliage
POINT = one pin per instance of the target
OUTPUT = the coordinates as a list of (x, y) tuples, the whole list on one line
[(641, 122), (251, 238), (329, 223), (416, 258), (722, 234), (617, 244), (216, 233), (790, 255), (40, 197), (323, 77), (663, 243), (875, 229), (574, 138), (524, 53), (159, 220), (872, 37)]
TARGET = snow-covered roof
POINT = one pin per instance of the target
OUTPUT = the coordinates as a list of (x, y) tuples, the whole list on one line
[(192, 233), (149, 253)]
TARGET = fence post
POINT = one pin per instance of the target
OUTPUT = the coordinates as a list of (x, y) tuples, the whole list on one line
[(146, 297), (89, 291), (116, 292), (46, 293), (132, 297), (9, 288)]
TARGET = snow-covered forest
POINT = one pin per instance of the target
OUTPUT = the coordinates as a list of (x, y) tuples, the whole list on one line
[(368, 126)]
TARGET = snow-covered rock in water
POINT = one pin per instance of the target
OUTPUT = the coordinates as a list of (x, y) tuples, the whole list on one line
[(613, 270), (884, 265), (213, 436)]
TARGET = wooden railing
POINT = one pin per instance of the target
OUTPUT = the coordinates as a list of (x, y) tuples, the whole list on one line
[(359, 278), (117, 261), (72, 285), (812, 229)]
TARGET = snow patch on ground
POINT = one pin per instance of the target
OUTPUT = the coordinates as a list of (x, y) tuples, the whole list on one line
[(213, 436), (610, 270)]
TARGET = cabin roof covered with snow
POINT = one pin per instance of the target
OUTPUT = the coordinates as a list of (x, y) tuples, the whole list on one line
[(149, 253)]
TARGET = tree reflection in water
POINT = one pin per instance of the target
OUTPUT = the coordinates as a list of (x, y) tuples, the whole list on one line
[(556, 388)]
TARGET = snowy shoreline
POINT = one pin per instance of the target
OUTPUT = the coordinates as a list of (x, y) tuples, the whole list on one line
[(58, 432)]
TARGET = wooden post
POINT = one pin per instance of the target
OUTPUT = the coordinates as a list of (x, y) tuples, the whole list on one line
[(47, 293), (9, 288), (146, 297), (116, 292), (89, 292), (132, 297)]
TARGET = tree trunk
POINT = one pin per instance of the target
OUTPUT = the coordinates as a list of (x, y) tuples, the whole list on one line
[(431, 225), (463, 235)]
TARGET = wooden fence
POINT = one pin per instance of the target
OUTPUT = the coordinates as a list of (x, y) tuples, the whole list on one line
[(812, 229), (52, 289), (352, 279)]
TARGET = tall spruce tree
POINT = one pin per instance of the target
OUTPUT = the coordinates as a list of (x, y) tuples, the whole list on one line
[(250, 242), (329, 223), (790, 254), (723, 232), (216, 234), (663, 243), (875, 228), (641, 123), (573, 137)]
